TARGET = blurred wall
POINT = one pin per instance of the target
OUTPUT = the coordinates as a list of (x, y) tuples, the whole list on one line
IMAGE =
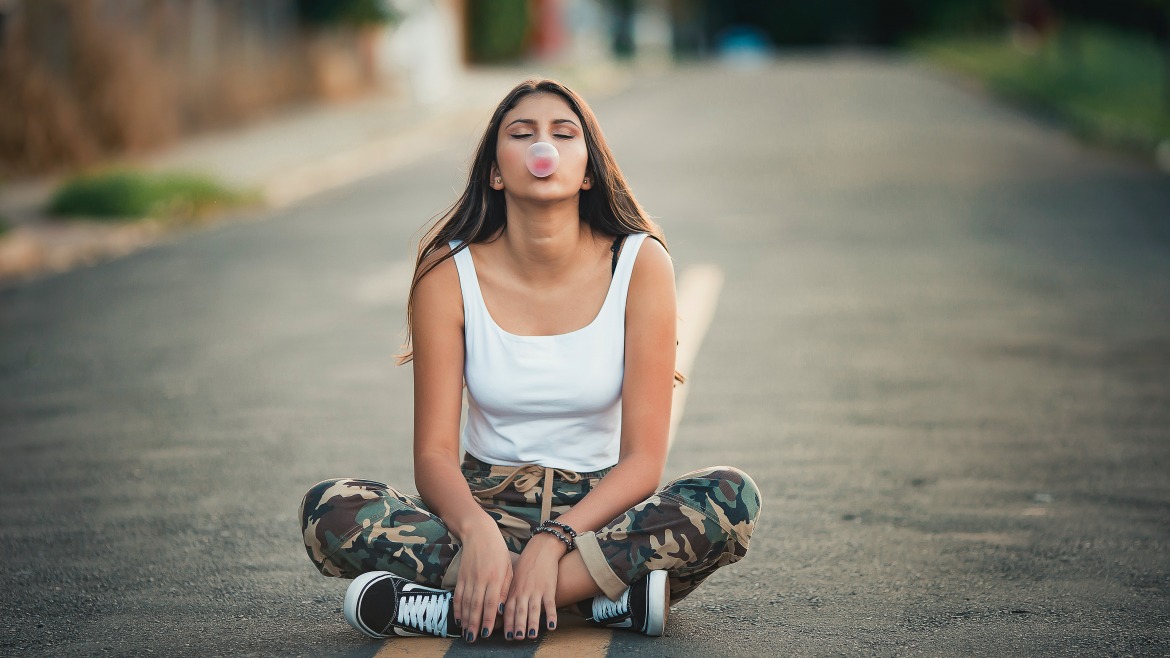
[(85, 79), (425, 50)]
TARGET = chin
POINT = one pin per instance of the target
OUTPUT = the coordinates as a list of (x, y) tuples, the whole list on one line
[(546, 195)]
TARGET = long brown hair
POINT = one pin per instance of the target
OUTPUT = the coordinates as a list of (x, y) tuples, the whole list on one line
[(609, 206)]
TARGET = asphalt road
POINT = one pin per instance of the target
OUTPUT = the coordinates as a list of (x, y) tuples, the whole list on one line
[(942, 351)]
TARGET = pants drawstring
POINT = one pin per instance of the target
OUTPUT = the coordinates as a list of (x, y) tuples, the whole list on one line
[(525, 478)]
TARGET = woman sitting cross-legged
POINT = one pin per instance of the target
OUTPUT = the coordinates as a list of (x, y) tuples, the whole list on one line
[(549, 293)]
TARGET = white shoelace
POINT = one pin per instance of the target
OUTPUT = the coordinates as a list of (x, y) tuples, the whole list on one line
[(425, 613), (604, 609)]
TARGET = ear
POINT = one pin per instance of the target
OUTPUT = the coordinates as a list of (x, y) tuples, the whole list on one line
[(587, 183), (493, 176)]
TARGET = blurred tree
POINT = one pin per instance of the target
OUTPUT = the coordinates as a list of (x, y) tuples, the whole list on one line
[(345, 12), (1164, 7), (1150, 18), (623, 26), (497, 30)]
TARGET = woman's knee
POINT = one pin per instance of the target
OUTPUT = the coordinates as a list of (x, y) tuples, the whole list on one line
[(331, 514), (724, 492)]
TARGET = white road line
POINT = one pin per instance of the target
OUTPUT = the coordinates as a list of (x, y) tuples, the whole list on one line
[(698, 294)]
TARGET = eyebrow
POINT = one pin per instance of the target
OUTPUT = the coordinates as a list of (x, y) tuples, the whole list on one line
[(555, 122)]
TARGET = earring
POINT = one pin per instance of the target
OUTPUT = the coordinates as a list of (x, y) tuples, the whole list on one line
[(586, 181), (499, 180)]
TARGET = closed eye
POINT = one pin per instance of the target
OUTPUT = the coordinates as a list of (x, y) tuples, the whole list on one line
[(527, 135)]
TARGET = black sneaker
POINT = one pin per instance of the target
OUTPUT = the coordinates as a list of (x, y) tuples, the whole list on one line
[(381, 604), (643, 607)]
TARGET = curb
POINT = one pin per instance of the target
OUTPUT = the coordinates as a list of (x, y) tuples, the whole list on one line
[(30, 250), (41, 246)]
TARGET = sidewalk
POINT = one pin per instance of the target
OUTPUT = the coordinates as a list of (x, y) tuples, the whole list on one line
[(288, 157)]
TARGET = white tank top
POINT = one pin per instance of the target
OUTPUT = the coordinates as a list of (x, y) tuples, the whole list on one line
[(555, 400)]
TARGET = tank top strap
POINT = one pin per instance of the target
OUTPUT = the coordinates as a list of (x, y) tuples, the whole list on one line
[(625, 268), (473, 304)]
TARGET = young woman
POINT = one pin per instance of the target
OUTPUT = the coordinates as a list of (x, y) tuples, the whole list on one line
[(540, 293)]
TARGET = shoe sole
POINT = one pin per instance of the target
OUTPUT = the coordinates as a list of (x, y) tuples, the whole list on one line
[(658, 604), (353, 600)]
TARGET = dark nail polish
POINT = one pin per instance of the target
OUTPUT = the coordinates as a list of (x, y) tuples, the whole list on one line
[(509, 635), (470, 636), (532, 632), (552, 625), (484, 632), (501, 608)]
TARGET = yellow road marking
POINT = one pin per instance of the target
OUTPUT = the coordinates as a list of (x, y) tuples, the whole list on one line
[(698, 293), (417, 647), (573, 637)]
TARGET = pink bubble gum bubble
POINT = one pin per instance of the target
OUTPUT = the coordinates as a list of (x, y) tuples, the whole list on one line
[(542, 159)]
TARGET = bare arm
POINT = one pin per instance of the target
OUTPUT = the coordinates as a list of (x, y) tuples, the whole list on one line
[(485, 571), (438, 394)]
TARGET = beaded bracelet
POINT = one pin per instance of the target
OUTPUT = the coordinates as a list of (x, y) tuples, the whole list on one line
[(563, 526), (553, 531)]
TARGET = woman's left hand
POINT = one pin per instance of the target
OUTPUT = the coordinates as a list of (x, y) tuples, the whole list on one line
[(534, 588)]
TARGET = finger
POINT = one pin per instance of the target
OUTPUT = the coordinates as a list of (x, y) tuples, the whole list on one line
[(533, 617), (510, 619), (520, 625), (491, 608), (471, 623), (457, 606), (550, 611), (464, 610), (505, 591), (501, 608)]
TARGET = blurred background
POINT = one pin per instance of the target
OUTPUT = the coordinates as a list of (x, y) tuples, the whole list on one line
[(84, 80), (937, 264)]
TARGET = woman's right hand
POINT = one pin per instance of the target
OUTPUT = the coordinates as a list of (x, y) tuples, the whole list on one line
[(485, 574)]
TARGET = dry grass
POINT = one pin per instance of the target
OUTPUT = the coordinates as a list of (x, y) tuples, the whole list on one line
[(85, 80)]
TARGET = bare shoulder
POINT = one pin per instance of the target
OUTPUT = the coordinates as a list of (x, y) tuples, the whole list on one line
[(438, 292), (653, 271)]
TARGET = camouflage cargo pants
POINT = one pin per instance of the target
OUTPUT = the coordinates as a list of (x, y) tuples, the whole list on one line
[(693, 525)]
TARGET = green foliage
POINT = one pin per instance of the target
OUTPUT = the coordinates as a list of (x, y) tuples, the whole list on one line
[(345, 12), (1107, 83), (130, 194), (951, 17), (1149, 17), (498, 29)]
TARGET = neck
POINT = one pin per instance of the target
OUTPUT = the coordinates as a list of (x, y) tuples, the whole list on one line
[(544, 239)]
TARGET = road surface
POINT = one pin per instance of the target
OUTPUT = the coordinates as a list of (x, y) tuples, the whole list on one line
[(941, 349)]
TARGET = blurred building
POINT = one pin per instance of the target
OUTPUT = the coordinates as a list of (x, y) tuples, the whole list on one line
[(83, 79)]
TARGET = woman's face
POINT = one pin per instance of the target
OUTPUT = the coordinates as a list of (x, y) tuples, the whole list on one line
[(540, 117)]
